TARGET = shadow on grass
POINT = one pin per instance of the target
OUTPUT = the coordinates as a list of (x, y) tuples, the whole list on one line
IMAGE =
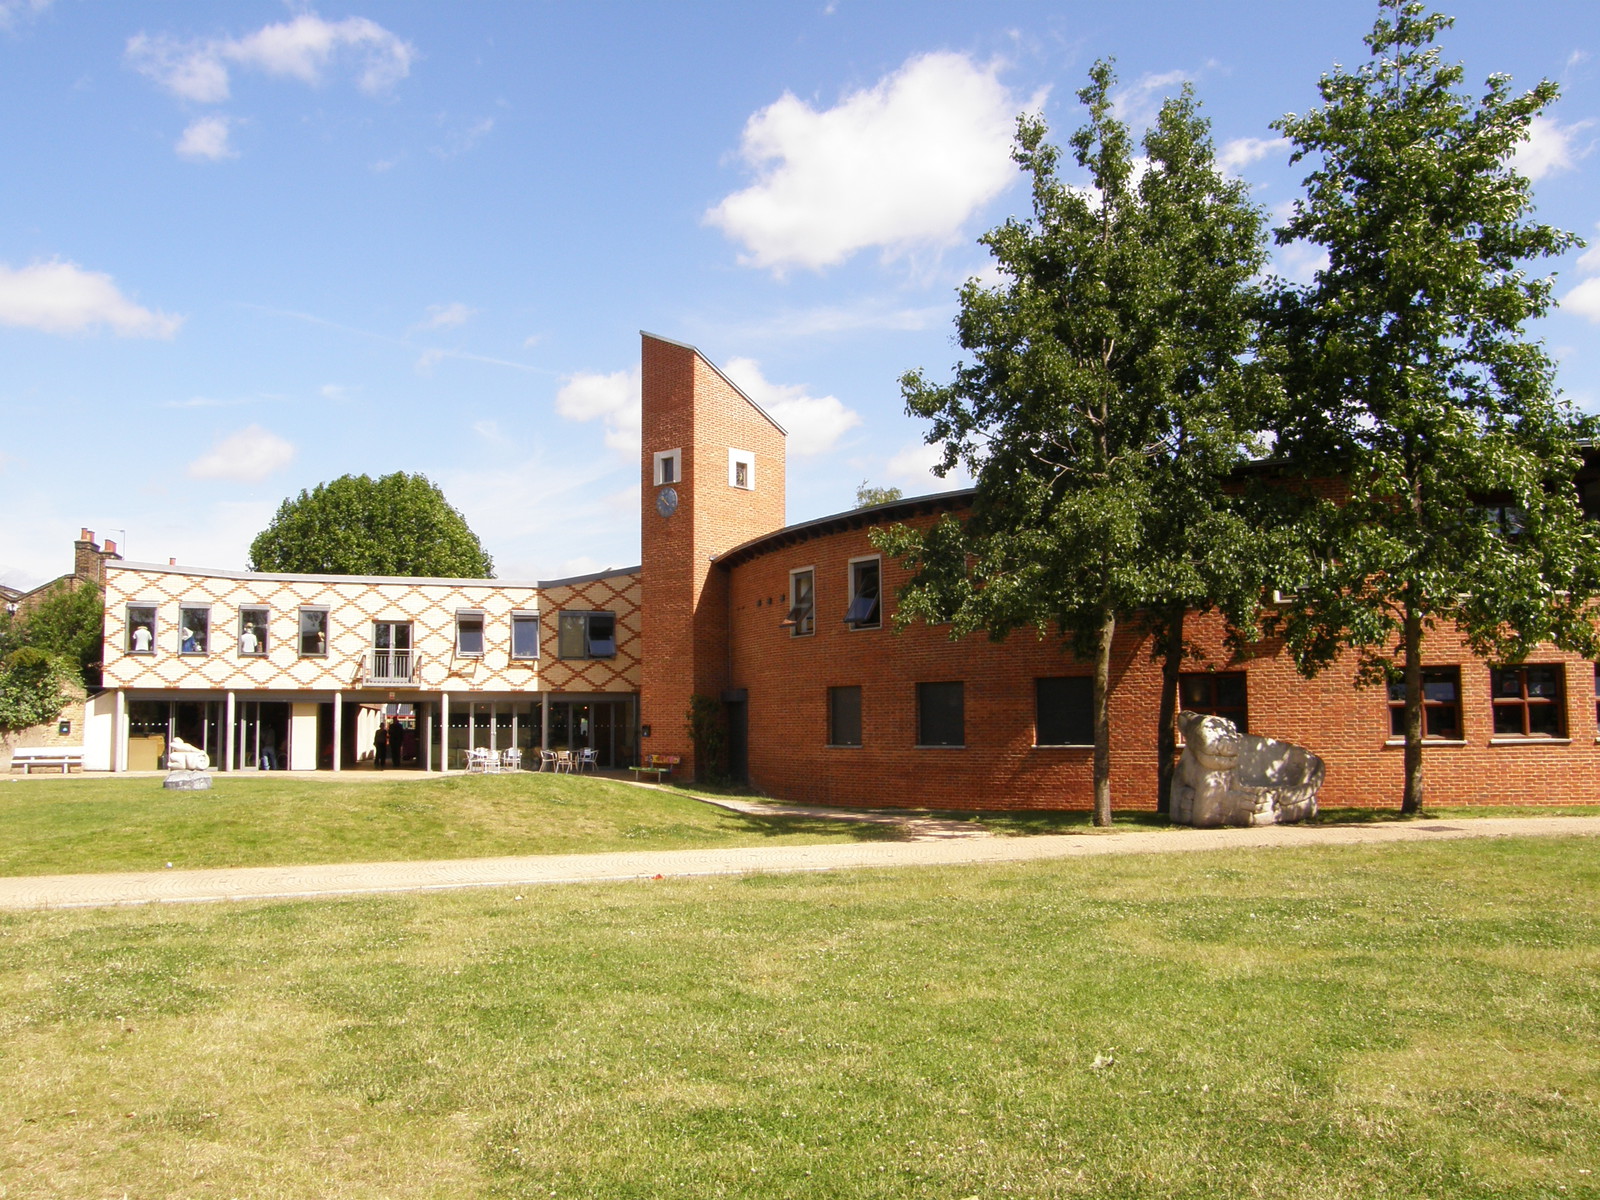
[(854, 830)]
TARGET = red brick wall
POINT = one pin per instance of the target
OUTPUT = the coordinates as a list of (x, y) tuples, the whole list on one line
[(788, 677), (688, 404)]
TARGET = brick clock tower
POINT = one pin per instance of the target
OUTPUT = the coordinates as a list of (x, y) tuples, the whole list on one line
[(712, 475)]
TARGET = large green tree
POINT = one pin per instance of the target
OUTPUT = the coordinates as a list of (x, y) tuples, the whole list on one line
[(67, 622), (394, 525), (1104, 406), (33, 687), (1413, 380)]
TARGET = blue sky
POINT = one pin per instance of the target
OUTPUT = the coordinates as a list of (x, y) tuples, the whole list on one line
[(249, 247)]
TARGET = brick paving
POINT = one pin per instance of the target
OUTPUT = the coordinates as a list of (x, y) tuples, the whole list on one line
[(349, 879)]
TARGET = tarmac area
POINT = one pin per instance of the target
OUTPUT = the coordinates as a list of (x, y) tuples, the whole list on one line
[(930, 843)]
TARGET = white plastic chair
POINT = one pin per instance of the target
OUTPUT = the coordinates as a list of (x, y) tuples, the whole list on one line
[(587, 758), (511, 759)]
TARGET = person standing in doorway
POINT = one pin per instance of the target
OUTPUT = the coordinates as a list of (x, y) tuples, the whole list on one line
[(380, 744), (397, 735)]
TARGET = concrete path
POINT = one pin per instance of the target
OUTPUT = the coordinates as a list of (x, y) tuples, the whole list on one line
[(273, 883)]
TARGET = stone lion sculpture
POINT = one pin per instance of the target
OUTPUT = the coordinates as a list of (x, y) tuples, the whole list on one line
[(181, 756), (1230, 778)]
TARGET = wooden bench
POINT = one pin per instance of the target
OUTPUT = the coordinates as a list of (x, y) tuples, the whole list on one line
[(29, 757), (659, 765)]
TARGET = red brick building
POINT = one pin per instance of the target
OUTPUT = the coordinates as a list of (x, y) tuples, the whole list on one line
[(790, 628)]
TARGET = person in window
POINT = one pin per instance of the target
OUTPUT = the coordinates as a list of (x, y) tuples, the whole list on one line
[(189, 643), (248, 642), (380, 745), (142, 639)]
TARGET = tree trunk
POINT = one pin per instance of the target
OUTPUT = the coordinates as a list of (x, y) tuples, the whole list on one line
[(1102, 718), (1167, 713), (1411, 804)]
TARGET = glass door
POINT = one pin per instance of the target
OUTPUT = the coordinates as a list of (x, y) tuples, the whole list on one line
[(391, 652)]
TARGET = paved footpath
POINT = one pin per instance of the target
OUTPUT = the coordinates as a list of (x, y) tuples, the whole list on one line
[(274, 883)]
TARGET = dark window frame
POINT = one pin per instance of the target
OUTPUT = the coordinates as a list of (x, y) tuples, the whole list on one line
[(525, 618), (842, 721), (803, 613), (1432, 706), (1059, 706), (1526, 703), (929, 702), (865, 609), (326, 631), (184, 622), (593, 647), (1213, 705), (262, 625), (130, 624), (466, 617)]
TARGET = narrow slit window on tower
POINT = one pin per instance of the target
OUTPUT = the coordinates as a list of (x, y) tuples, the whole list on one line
[(669, 466), (741, 469)]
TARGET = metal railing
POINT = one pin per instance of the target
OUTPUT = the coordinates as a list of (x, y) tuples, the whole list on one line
[(384, 668)]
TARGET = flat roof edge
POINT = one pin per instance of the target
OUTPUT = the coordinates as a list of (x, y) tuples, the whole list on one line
[(286, 577)]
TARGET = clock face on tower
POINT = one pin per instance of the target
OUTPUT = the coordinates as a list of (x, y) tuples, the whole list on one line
[(667, 501)]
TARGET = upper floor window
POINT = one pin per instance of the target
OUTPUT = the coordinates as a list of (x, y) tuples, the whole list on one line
[(1063, 711), (1529, 701), (1441, 704), (587, 635), (741, 469), (802, 618), (865, 611), (141, 629), (469, 633), (194, 629), (524, 635), (313, 633), (1217, 694), (669, 466), (253, 623)]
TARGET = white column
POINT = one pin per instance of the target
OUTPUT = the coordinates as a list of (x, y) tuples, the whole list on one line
[(426, 730), (119, 732), (444, 732), (544, 722), (514, 742), (338, 731), (227, 738), (494, 728)]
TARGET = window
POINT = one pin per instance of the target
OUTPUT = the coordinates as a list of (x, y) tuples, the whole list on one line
[(741, 469), (1217, 695), (392, 659), (1505, 519), (1064, 711), (469, 633), (669, 466), (1528, 701), (194, 629), (941, 714), (1441, 704), (587, 635), (844, 716), (524, 635), (253, 623), (313, 633), (141, 629), (864, 611), (802, 618)]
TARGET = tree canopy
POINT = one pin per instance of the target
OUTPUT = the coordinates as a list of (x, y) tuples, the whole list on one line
[(396, 524), (868, 494), (1105, 401), (1412, 379), (67, 623)]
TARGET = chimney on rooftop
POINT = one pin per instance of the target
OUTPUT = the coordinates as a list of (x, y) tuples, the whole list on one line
[(172, 562)]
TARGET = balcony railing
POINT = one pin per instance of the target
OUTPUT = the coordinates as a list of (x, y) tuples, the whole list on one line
[(388, 668)]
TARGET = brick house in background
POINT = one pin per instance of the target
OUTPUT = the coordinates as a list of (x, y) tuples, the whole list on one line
[(788, 629)]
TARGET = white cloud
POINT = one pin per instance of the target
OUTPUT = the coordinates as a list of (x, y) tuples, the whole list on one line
[(902, 164), (337, 392), (207, 138), (1138, 103), (913, 467), (814, 423), (12, 12), (62, 297), (613, 399), (302, 48), (1550, 147), (447, 316), (1241, 152), (1299, 262), (460, 141), (1584, 300), (248, 456), (850, 318)]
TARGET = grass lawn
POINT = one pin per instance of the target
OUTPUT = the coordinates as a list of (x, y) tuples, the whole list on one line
[(1417, 1020), (65, 826)]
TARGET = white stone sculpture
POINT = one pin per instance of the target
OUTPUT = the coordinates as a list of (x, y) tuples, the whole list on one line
[(186, 767), (1230, 778)]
